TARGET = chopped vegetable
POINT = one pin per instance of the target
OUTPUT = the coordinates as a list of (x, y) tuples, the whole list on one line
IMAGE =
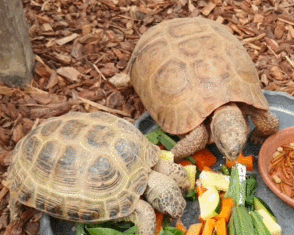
[(166, 155), (227, 205), (159, 220), (271, 224), (180, 226), (242, 221), (209, 203), (199, 188), (237, 188), (204, 158), (168, 230), (220, 227), (161, 147), (166, 141), (206, 168), (191, 195), (185, 163), (260, 204), (251, 184), (209, 227), (247, 161), (213, 179), (191, 171), (225, 170), (259, 226), (195, 229)]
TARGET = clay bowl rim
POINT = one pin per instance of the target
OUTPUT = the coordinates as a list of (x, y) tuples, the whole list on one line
[(273, 144)]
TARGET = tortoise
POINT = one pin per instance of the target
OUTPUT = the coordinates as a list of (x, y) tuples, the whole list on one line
[(198, 82), (94, 167)]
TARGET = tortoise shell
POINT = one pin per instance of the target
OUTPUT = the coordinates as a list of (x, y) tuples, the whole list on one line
[(183, 69), (82, 167)]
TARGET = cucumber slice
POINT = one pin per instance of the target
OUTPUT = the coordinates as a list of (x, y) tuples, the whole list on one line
[(260, 204), (212, 179), (209, 203), (191, 171), (271, 225)]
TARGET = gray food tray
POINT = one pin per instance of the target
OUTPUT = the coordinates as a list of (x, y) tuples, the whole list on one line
[(282, 105)]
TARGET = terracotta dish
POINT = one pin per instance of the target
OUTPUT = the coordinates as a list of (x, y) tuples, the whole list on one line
[(268, 148)]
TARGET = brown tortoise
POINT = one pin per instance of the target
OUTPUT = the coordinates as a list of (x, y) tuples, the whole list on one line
[(197, 81), (93, 168)]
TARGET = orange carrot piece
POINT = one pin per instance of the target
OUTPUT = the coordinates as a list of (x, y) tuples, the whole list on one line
[(247, 161), (185, 163), (209, 227), (195, 229), (159, 220), (220, 227), (204, 158), (200, 189), (202, 221), (227, 205), (180, 226), (206, 168), (161, 146)]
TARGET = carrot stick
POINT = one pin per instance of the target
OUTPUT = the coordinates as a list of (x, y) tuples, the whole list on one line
[(204, 158), (209, 227), (161, 146), (185, 163), (220, 227), (206, 168), (227, 205), (194, 229), (199, 188), (180, 226), (247, 161), (159, 220)]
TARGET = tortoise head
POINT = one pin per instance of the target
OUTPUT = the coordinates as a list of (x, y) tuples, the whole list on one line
[(229, 131)]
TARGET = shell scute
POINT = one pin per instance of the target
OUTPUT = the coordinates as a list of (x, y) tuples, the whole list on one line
[(129, 152), (183, 29), (50, 127), (100, 136), (172, 78), (47, 158), (72, 129), (30, 146)]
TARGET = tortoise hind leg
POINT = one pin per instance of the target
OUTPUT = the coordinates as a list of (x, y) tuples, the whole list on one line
[(15, 209), (191, 143), (144, 218)]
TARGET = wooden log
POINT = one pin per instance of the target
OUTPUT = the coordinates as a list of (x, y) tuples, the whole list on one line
[(16, 55)]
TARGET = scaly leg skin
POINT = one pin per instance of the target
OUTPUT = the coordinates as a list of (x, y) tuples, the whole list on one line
[(15, 209), (191, 143), (266, 124), (175, 171), (144, 217)]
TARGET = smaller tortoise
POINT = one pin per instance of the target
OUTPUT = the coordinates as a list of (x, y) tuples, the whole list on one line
[(197, 81), (94, 167)]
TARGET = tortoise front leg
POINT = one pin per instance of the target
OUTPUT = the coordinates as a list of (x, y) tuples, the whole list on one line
[(191, 143), (175, 171), (266, 124), (144, 218)]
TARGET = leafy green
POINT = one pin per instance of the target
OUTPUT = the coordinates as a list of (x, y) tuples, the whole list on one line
[(191, 195), (80, 229), (251, 185), (225, 170), (168, 230)]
